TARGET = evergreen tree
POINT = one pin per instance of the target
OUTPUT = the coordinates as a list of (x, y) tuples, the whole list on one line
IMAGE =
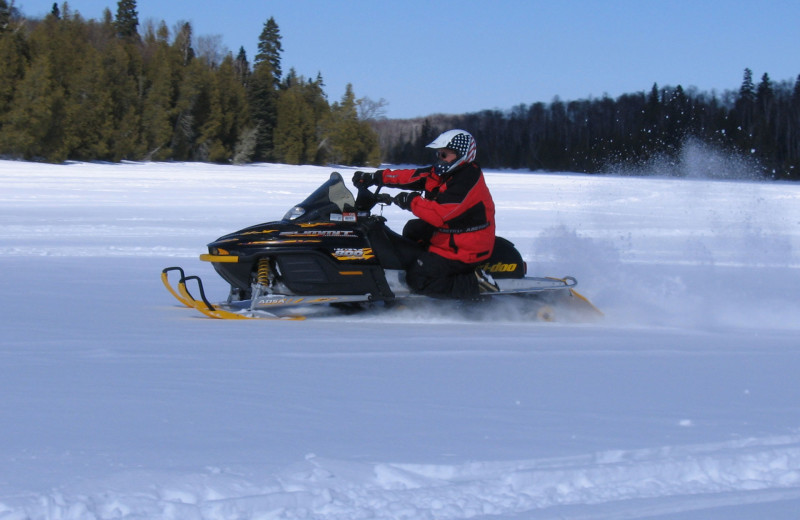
[(183, 43), (678, 114), (302, 108), (197, 94), (107, 28), (318, 101), (322, 110), (765, 132), (652, 114), (747, 90), (242, 67), (746, 101), (63, 54), (162, 72), (88, 116), (270, 48), (14, 54), (263, 90), (228, 115), (350, 141), (294, 128), (341, 128), (29, 127), (190, 90), (262, 96), (764, 94), (5, 16), (741, 128), (122, 73), (796, 92), (127, 20), (650, 134), (793, 130)]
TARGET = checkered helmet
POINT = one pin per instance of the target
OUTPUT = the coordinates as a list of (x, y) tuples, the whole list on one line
[(461, 142)]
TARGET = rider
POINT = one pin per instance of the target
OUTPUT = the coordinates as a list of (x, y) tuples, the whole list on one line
[(455, 221)]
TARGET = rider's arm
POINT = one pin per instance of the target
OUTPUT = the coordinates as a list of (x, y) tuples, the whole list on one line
[(409, 179)]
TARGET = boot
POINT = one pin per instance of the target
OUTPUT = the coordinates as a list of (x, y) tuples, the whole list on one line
[(486, 283)]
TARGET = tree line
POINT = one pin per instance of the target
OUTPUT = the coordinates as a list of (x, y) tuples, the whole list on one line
[(77, 89), (110, 89), (759, 122)]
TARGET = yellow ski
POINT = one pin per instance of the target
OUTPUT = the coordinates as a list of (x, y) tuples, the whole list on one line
[(211, 310)]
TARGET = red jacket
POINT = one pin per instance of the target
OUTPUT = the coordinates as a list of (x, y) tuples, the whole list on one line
[(459, 205)]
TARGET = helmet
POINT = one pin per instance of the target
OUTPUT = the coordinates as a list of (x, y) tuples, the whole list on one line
[(461, 142)]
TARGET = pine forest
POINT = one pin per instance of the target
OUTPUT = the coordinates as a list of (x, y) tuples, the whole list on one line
[(113, 90)]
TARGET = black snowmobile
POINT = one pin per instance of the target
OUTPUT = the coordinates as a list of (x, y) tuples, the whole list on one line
[(331, 250)]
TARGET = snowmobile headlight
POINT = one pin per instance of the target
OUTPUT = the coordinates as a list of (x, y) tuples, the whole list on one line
[(294, 213)]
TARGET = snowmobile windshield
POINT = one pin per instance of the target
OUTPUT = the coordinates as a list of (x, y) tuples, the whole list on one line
[(332, 197)]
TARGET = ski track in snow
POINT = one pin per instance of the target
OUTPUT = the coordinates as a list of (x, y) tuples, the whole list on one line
[(731, 473)]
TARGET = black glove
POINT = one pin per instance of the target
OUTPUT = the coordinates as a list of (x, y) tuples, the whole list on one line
[(383, 198), (367, 179), (403, 200)]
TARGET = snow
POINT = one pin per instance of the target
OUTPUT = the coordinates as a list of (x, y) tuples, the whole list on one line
[(682, 403)]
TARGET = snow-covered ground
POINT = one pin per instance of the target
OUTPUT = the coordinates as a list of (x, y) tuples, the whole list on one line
[(683, 403)]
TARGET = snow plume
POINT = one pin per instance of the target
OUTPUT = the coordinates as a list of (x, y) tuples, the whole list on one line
[(696, 159), (732, 243), (701, 160)]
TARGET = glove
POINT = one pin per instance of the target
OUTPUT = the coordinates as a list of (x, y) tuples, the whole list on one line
[(403, 200), (383, 198), (367, 179)]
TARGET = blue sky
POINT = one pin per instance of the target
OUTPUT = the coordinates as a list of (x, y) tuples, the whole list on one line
[(428, 56)]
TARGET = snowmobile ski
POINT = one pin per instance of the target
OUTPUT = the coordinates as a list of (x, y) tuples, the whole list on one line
[(545, 294), (223, 311), (165, 280)]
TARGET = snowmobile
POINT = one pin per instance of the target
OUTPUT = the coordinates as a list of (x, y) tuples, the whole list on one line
[(331, 251)]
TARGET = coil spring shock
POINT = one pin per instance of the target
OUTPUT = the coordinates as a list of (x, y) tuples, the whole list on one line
[(264, 273)]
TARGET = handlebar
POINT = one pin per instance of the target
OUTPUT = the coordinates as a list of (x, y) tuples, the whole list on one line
[(382, 198), (366, 199)]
